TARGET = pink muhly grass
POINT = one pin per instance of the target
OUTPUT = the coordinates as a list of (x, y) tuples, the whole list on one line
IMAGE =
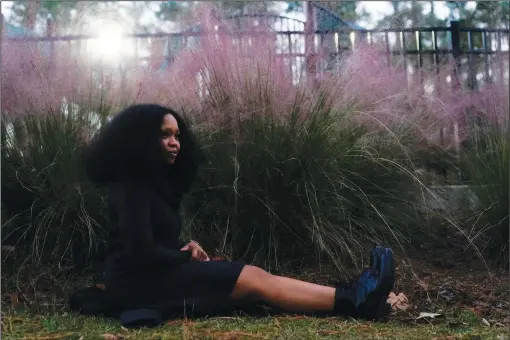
[(25, 81), (225, 80), (236, 80), (34, 83)]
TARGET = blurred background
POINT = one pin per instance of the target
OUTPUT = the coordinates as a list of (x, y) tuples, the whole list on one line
[(109, 20)]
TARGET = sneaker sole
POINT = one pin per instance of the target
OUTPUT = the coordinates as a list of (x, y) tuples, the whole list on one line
[(382, 310)]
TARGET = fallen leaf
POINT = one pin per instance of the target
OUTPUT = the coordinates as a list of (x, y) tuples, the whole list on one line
[(100, 286), (14, 297), (424, 315), (109, 337), (398, 302)]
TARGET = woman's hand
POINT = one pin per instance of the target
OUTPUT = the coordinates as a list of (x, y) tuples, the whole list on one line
[(197, 253)]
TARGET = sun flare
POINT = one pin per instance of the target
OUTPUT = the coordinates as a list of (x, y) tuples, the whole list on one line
[(110, 43)]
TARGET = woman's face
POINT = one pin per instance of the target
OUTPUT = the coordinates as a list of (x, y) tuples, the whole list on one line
[(170, 138)]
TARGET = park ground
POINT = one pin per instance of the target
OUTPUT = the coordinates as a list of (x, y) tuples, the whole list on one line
[(469, 298)]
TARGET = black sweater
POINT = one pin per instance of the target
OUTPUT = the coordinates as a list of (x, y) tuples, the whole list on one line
[(145, 228)]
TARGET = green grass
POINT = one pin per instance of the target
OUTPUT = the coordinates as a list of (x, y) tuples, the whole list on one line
[(53, 212), (485, 163), (465, 325), (275, 190), (34, 306)]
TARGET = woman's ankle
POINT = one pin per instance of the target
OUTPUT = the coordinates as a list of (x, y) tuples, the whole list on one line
[(345, 302)]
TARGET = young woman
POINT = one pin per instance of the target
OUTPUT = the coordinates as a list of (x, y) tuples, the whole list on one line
[(148, 158)]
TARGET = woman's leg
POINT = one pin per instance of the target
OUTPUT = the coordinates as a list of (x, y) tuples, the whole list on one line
[(290, 294), (367, 294)]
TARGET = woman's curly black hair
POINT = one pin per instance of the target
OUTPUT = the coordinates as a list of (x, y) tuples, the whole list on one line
[(128, 147)]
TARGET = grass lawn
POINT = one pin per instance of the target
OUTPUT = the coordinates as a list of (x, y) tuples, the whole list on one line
[(465, 325), (471, 299)]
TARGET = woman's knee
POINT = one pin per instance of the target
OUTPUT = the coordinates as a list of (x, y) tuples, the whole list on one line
[(251, 283)]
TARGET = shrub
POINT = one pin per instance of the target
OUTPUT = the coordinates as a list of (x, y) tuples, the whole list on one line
[(274, 191), (51, 212), (485, 167)]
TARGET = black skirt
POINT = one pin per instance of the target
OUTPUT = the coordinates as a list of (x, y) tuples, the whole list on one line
[(159, 286)]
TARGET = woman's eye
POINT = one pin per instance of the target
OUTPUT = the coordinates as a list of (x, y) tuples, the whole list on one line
[(169, 134)]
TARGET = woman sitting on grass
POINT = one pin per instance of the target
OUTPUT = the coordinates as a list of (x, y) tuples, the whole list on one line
[(148, 159)]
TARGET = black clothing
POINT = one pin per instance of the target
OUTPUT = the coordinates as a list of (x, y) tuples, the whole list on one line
[(144, 266)]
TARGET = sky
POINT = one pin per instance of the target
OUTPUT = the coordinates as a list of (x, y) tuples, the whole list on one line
[(376, 9), (379, 9)]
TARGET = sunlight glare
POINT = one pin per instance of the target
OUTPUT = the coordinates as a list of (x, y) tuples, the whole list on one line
[(110, 44)]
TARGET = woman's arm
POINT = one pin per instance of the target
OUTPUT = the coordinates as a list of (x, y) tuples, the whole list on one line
[(134, 217)]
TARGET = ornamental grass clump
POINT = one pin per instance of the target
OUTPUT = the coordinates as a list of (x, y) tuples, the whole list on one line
[(298, 167), (484, 164), (296, 170), (50, 210)]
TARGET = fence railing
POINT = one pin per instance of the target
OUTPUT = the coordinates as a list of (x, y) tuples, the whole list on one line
[(480, 54)]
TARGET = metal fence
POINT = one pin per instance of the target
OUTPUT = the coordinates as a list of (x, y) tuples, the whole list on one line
[(480, 54)]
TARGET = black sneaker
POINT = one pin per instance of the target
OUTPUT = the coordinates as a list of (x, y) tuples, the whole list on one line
[(375, 255), (366, 297), (376, 306)]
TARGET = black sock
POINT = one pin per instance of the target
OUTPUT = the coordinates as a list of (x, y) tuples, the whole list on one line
[(345, 304)]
